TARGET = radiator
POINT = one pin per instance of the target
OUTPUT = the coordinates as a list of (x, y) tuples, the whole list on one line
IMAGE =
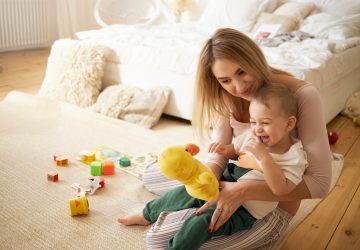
[(23, 24)]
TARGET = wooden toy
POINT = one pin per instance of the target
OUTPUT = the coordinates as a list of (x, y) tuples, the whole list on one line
[(124, 161), (101, 180), (62, 160), (108, 168), (96, 168), (79, 205), (86, 156), (90, 157), (53, 177)]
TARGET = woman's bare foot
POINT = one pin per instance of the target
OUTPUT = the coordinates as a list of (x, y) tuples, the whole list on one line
[(133, 219)]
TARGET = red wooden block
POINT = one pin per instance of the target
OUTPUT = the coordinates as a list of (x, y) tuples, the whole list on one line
[(108, 168), (53, 177)]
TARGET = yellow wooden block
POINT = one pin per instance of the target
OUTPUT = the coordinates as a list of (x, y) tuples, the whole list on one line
[(79, 205), (62, 160)]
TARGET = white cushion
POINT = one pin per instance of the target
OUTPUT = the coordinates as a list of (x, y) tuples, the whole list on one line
[(133, 104), (237, 14), (74, 71), (335, 7), (295, 9), (325, 25), (288, 23)]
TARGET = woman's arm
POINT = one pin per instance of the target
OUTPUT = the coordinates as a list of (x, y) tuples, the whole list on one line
[(311, 130), (221, 133)]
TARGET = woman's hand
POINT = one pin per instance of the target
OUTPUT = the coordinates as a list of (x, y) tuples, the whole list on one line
[(229, 201)]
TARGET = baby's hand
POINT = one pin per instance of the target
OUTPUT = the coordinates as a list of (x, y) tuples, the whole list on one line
[(256, 147)]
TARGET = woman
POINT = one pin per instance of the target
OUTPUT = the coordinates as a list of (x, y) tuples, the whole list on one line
[(231, 68)]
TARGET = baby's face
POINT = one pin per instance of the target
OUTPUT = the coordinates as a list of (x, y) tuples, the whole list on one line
[(269, 124)]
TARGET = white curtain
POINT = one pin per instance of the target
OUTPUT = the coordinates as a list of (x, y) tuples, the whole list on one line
[(74, 16)]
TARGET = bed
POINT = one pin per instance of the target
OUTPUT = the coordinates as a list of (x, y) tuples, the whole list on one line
[(161, 51)]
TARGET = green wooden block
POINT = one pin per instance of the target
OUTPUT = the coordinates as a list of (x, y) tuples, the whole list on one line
[(124, 161), (96, 168)]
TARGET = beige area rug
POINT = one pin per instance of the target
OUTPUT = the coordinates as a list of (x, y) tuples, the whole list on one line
[(35, 212)]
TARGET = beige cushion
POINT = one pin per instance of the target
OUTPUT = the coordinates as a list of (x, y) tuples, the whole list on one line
[(74, 72), (295, 9), (287, 23), (133, 104)]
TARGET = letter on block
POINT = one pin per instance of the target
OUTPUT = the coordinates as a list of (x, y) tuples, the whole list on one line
[(79, 205), (96, 168), (108, 168)]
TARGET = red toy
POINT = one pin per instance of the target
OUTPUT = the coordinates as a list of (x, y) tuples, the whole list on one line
[(53, 177), (108, 168), (333, 137), (192, 149)]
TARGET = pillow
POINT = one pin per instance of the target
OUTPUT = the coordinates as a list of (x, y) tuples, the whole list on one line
[(295, 9), (133, 104), (335, 7), (237, 14), (287, 23), (74, 72), (328, 26)]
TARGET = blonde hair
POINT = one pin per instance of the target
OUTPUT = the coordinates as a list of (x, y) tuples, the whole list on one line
[(211, 100)]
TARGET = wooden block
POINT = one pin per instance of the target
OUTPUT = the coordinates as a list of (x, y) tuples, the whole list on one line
[(125, 162), (79, 205), (62, 160), (96, 168), (108, 168), (53, 177)]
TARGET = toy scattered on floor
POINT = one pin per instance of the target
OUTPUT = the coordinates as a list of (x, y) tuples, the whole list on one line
[(200, 182), (94, 184), (86, 156), (137, 165), (61, 160), (100, 178), (96, 168), (108, 168), (333, 137), (79, 205), (124, 161), (53, 177)]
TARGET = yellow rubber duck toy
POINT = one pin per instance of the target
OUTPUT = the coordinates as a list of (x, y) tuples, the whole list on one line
[(177, 162)]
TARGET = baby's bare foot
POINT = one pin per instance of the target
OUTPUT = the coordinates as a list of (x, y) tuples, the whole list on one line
[(133, 219)]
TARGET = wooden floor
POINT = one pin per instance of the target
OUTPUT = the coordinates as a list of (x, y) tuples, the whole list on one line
[(334, 224)]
